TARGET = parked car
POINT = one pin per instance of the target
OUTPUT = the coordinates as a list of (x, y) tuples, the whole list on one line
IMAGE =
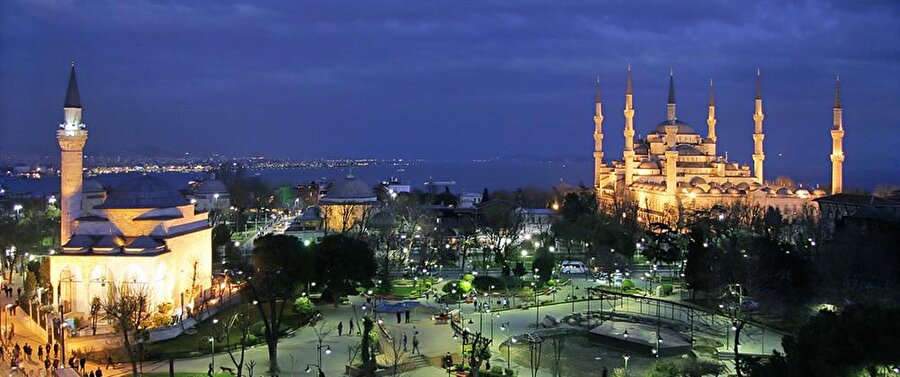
[(573, 267)]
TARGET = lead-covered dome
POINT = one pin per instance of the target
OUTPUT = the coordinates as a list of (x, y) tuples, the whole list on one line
[(143, 192), (349, 188), (211, 186), (91, 186), (683, 128)]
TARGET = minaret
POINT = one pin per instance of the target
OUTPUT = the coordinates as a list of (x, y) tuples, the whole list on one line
[(758, 135), (628, 152), (671, 127), (670, 106), (71, 136), (837, 142), (598, 139), (711, 121)]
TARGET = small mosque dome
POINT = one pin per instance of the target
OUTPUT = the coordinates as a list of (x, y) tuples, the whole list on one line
[(743, 186), (697, 181), (211, 186), (91, 186), (715, 191)]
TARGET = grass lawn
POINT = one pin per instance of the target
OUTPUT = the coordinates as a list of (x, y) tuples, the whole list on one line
[(198, 343)]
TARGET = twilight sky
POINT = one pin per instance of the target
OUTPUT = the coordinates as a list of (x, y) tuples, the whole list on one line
[(447, 79)]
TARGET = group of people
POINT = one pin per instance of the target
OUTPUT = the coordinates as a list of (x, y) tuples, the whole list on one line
[(19, 355)]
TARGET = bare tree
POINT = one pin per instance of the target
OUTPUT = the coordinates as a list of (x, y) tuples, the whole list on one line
[(556, 346), (479, 353), (240, 319), (396, 354), (126, 306), (502, 224)]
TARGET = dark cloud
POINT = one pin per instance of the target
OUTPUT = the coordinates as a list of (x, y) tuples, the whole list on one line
[(385, 78)]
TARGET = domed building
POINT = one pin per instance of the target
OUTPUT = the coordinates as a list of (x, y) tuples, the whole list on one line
[(210, 195), (675, 166), (347, 205), (141, 233)]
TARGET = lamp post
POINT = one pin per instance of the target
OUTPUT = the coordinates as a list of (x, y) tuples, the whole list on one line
[(626, 357), (505, 327), (319, 347), (17, 208), (318, 367)]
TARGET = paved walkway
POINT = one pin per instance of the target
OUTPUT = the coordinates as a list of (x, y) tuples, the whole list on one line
[(299, 349)]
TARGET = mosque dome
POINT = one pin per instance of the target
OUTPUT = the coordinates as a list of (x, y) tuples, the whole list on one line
[(743, 186), (784, 191), (819, 192), (91, 186), (715, 191), (687, 150), (350, 188), (697, 181), (211, 186), (733, 191), (648, 164), (683, 128), (383, 219), (143, 192)]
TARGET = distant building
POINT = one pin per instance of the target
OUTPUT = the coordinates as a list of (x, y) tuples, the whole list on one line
[(309, 227), (211, 195), (397, 186), (834, 209), (470, 199), (535, 221), (675, 167), (347, 205)]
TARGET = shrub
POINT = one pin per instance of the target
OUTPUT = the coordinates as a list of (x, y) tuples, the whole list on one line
[(664, 290), (484, 283), (305, 307), (627, 284), (468, 277)]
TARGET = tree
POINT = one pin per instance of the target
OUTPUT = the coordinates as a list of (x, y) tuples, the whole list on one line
[(479, 352), (501, 227), (239, 319), (700, 273), (544, 262), (396, 354), (342, 264), (278, 260), (126, 307)]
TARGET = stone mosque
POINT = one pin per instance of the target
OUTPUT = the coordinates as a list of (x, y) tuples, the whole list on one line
[(142, 233), (675, 167)]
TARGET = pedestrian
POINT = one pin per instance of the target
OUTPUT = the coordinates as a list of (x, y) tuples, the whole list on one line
[(108, 361), (19, 292), (416, 332), (210, 371), (398, 317), (340, 328), (465, 336), (404, 341), (407, 315), (91, 374), (351, 326), (82, 362), (605, 372), (416, 345), (98, 373)]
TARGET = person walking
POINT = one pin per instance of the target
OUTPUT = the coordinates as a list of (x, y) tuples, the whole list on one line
[(340, 328), (98, 373), (398, 317), (82, 362), (351, 327), (416, 346), (404, 341), (407, 315)]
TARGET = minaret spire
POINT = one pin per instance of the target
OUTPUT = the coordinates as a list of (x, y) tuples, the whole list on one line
[(670, 106), (71, 136), (711, 120), (758, 135), (598, 139), (837, 141), (628, 151)]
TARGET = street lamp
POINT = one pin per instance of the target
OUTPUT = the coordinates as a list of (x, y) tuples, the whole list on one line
[(626, 357), (17, 208), (212, 353), (505, 327)]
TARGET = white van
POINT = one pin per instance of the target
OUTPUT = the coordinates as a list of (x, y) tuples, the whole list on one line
[(573, 267)]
